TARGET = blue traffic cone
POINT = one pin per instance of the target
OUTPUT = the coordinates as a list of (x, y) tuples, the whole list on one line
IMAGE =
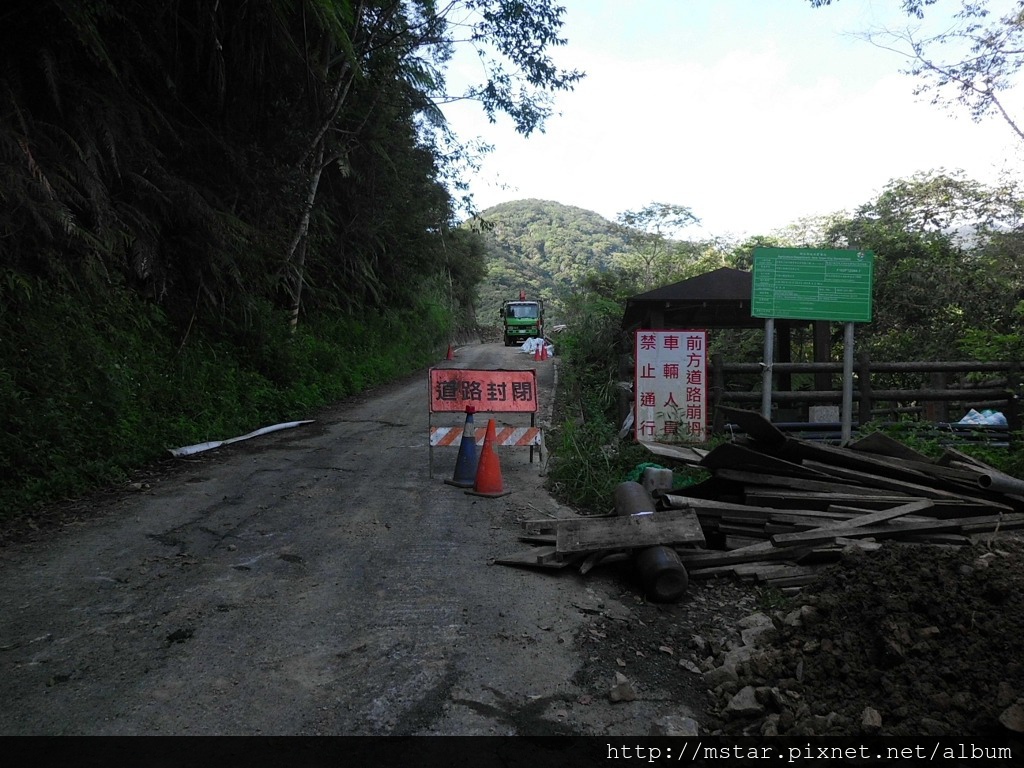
[(465, 464)]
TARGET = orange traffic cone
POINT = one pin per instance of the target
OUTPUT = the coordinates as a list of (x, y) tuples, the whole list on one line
[(536, 354), (451, 353), (488, 472), (544, 351), (465, 464)]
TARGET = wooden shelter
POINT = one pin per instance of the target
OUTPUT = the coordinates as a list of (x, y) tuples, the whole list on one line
[(718, 299)]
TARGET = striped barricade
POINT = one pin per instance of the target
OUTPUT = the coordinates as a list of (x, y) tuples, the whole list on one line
[(454, 390), (504, 435)]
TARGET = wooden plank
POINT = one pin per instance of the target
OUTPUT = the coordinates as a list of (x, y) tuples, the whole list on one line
[(841, 457), (961, 481), (545, 539), (537, 557), (770, 528), (880, 443), (939, 472), (798, 501), (861, 521), (754, 519), (755, 425), (674, 526), (970, 525), (681, 453), (760, 552), (811, 518), (744, 530), (707, 573), (549, 526), (741, 515), (711, 508), (943, 509), (883, 515), (784, 522), (763, 572), (889, 483), (882, 531), (733, 542), (854, 512), (733, 455), (712, 488), (951, 457), (796, 483)]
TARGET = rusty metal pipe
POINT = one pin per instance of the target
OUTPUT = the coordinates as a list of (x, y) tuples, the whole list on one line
[(632, 499), (659, 569), (662, 573), (1000, 483)]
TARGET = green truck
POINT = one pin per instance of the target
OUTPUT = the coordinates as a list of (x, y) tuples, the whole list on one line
[(522, 319)]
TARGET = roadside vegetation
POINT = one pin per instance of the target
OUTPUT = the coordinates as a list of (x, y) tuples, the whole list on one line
[(200, 238), (219, 215), (103, 387)]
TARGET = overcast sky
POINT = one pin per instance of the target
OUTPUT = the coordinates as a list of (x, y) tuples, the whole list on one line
[(753, 113)]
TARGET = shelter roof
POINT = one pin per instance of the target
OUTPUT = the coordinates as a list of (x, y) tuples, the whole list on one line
[(718, 299)]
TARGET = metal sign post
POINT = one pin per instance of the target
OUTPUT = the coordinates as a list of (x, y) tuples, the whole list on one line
[(766, 364), (847, 415)]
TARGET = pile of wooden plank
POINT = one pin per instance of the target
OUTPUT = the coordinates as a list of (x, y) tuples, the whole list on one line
[(776, 508)]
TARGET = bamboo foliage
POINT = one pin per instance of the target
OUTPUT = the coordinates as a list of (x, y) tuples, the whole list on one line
[(241, 152)]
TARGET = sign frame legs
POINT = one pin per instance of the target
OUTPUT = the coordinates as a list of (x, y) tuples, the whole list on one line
[(847, 415), (767, 365)]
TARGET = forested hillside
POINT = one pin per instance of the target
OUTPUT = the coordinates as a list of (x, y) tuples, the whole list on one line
[(217, 215), (947, 286), (544, 248)]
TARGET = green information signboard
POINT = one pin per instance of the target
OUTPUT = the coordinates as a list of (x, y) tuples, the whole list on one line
[(808, 284)]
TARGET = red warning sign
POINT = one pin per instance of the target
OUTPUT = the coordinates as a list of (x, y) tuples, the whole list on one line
[(670, 387), (498, 391)]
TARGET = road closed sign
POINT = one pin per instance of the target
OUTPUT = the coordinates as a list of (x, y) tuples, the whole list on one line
[(499, 391), (670, 386)]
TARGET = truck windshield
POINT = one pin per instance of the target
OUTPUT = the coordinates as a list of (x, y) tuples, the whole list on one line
[(521, 311)]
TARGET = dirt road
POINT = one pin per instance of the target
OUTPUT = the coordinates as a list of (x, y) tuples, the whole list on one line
[(311, 581)]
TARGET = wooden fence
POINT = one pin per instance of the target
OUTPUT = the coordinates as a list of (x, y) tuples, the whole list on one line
[(947, 385)]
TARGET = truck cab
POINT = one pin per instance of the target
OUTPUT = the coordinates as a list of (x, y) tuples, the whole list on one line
[(521, 320)]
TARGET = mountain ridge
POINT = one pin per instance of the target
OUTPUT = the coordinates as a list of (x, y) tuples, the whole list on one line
[(544, 248)]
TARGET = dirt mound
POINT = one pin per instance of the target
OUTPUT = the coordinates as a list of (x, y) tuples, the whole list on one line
[(908, 640)]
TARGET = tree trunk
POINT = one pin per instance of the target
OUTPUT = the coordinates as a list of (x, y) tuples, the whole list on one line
[(296, 257)]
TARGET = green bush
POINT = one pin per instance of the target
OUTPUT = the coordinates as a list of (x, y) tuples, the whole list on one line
[(588, 462), (92, 386)]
